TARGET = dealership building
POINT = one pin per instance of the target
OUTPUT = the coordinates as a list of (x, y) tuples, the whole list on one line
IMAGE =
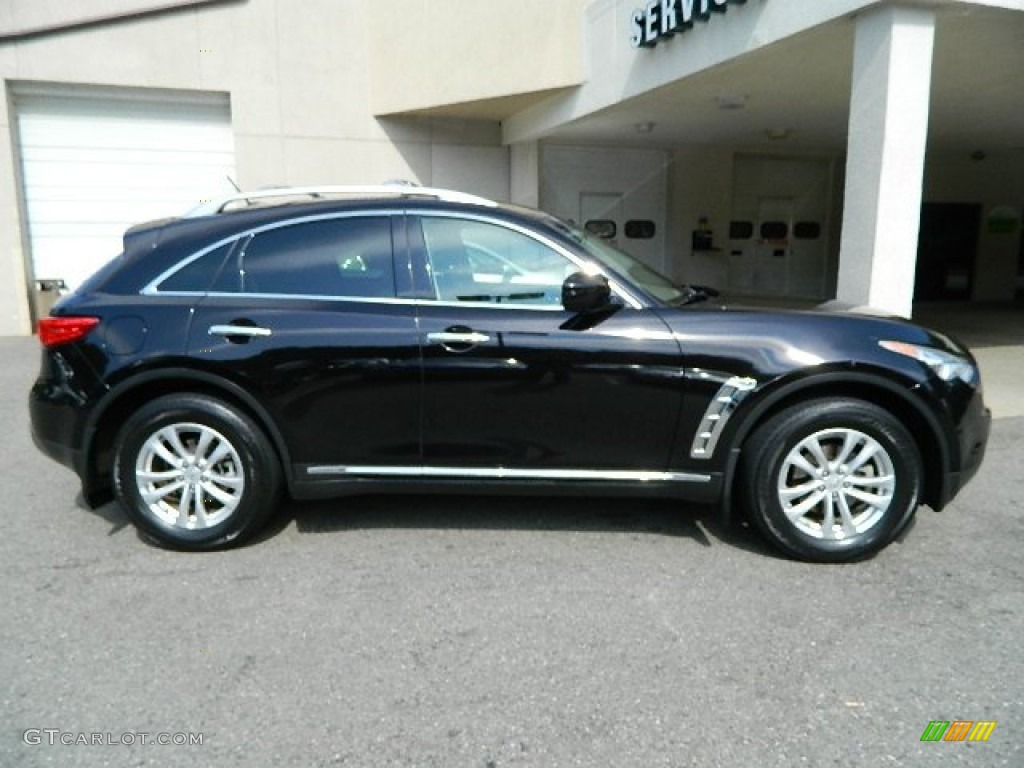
[(789, 149)]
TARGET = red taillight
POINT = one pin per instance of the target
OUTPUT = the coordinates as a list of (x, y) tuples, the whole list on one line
[(61, 330)]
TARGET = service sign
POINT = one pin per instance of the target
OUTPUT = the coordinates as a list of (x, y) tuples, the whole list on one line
[(661, 19)]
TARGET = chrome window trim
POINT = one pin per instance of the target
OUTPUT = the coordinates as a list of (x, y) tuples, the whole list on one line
[(507, 473), (361, 300), (150, 289)]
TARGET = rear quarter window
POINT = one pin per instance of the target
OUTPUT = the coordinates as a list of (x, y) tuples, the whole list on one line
[(197, 275)]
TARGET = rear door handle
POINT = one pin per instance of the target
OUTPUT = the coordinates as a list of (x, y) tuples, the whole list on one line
[(239, 330), (451, 337)]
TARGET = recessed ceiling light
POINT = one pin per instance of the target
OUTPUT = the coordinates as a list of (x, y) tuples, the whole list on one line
[(645, 127)]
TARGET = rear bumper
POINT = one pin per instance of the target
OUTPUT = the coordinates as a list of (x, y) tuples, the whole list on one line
[(58, 451), (56, 429), (53, 424)]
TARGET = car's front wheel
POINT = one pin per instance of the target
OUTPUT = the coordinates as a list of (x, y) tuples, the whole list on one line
[(194, 473), (831, 480)]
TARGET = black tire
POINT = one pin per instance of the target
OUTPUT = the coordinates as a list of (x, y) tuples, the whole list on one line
[(238, 488), (866, 510)]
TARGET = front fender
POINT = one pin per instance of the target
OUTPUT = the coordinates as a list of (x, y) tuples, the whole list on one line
[(908, 400)]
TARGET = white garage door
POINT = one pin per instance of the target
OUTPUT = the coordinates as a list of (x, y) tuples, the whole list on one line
[(625, 186), (95, 163)]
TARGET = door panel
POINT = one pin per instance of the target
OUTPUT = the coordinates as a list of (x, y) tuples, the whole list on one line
[(341, 379), (530, 393), (510, 379), (305, 317), (771, 254)]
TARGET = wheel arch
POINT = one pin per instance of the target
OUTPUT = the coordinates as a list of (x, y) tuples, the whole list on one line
[(934, 441), (115, 407)]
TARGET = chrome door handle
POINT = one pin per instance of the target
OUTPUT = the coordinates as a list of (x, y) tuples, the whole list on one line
[(238, 330), (450, 337)]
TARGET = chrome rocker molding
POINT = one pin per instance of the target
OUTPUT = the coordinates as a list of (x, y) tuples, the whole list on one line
[(506, 473), (717, 415)]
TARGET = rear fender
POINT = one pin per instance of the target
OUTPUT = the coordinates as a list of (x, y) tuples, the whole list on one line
[(113, 408)]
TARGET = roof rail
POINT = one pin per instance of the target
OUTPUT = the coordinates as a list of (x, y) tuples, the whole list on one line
[(212, 207)]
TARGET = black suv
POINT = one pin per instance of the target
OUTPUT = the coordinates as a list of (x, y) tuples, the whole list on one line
[(334, 341)]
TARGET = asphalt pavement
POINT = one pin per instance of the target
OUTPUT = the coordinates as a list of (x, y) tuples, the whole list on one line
[(482, 632)]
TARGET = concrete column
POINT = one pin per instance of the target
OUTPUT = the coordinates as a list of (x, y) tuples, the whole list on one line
[(14, 287), (524, 180), (888, 131)]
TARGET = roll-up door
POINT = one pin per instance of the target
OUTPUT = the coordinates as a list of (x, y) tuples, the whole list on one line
[(95, 162)]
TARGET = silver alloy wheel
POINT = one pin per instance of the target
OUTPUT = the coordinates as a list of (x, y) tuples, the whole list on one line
[(836, 484), (189, 476)]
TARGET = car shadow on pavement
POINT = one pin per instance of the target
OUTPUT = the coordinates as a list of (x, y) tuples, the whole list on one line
[(667, 518), (513, 513), (110, 512)]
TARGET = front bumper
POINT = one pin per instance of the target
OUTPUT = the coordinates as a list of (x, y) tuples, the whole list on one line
[(972, 437)]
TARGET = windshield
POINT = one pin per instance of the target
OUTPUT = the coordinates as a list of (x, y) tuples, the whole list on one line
[(619, 261)]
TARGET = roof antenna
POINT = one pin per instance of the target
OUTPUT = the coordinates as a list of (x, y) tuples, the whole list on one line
[(237, 188)]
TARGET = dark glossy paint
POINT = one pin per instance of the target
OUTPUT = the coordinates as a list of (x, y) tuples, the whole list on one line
[(341, 379), (794, 355), (539, 394), (341, 382)]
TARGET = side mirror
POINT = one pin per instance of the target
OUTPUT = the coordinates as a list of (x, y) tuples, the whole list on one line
[(585, 293)]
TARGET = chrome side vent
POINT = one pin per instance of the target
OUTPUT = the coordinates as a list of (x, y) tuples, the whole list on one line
[(721, 407)]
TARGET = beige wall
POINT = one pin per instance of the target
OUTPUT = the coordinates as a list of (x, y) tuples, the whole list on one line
[(298, 77), (28, 16), (427, 54), (14, 308)]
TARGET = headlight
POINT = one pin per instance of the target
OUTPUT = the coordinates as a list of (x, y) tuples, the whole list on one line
[(946, 365)]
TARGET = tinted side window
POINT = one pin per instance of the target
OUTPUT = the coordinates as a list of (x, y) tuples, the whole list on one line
[(478, 261), (199, 274), (334, 257)]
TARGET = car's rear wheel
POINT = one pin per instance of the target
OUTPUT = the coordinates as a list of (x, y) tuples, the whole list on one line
[(194, 473), (831, 480)]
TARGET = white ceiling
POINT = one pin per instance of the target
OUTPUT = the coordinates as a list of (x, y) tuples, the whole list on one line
[(802, 86)]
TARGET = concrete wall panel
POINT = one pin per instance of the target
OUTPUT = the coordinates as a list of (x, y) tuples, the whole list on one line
[(436, 52), (298, 80)]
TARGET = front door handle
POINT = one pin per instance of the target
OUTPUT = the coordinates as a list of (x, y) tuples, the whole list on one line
[(458, 339)]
